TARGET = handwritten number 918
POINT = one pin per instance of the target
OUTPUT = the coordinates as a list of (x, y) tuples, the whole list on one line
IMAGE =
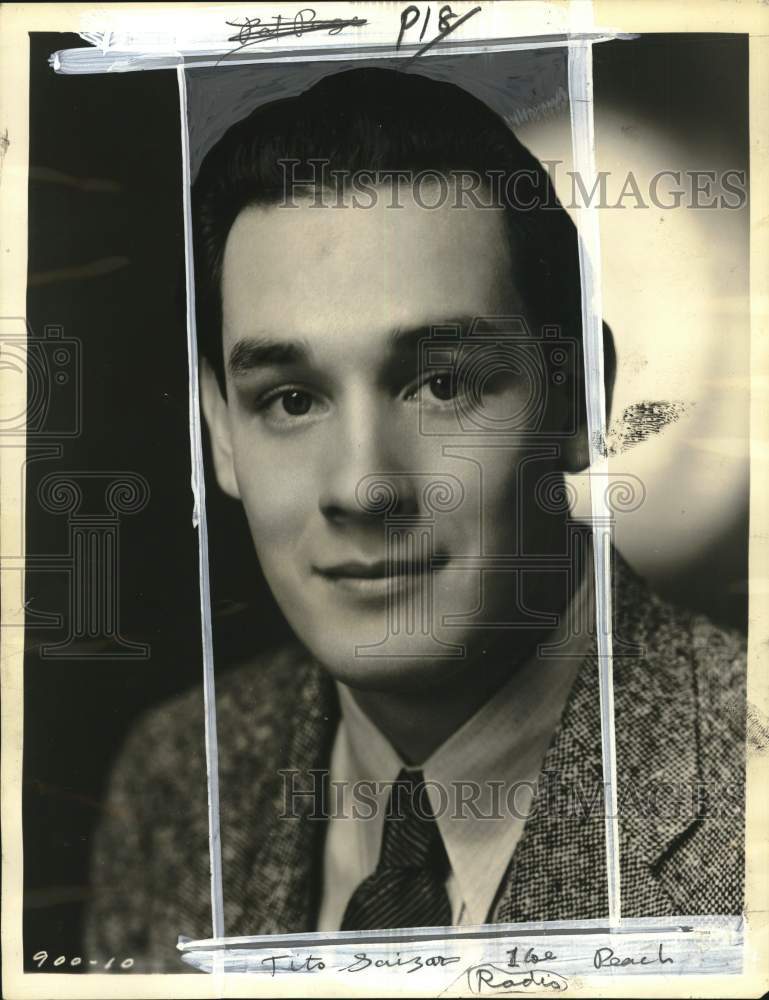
[(41, 957)]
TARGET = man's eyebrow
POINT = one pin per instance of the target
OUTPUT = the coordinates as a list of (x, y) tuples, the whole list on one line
[(410, 338), (261, 352), (253, 352)]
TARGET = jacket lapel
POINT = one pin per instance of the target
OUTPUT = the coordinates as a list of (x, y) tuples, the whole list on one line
[(558, 869)]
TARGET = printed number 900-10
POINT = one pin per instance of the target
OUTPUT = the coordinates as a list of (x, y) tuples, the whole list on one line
[(41, 957)]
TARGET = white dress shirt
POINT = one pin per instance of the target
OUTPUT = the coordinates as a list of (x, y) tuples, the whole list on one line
[(499, 749)]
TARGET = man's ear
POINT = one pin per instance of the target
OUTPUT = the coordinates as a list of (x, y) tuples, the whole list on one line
[(218, 420), (576, 452)]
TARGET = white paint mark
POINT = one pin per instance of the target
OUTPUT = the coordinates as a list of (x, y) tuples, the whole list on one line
[(200, 522), (584, 165)]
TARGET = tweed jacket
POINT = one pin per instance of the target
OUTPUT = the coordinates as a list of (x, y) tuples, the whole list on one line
[(679, 722)]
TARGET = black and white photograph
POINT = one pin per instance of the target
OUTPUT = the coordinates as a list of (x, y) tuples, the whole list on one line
[(384, 576)]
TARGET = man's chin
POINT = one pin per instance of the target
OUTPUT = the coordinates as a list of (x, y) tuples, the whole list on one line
[(369, 668)]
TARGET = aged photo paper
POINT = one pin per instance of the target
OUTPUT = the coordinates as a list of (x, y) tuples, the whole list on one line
[(384, 417)]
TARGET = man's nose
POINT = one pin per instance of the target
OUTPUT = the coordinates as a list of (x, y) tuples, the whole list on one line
[(367, 475)]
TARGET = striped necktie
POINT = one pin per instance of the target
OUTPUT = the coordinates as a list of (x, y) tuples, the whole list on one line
[(408, 886)]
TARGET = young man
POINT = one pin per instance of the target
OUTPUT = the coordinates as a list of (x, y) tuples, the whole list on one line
[(389, 315)]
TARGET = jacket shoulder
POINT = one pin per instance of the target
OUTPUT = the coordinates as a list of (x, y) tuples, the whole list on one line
[(253, 700), (680, 729), (144, 890), (700, 666)]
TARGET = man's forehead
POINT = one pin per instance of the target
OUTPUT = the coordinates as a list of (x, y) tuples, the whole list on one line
[(306, 267)]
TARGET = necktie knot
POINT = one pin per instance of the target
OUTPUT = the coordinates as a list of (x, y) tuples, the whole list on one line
[(411, 838)]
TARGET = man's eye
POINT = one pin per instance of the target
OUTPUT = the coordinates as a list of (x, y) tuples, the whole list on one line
[(296, 403), (441, 387), (287, 406)]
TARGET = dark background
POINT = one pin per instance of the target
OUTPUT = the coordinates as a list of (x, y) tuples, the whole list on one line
[(106, 265)]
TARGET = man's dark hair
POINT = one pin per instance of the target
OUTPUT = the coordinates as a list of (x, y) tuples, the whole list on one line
[(383, 120)]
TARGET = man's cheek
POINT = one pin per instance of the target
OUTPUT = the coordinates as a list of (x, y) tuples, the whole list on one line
[(272, 517), (501, 508), (275, 508)]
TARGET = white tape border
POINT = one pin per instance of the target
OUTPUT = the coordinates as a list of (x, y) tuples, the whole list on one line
[(199, 520)]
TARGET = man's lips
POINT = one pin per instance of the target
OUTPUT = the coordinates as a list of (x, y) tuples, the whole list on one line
[(376, 581), (380, 570)]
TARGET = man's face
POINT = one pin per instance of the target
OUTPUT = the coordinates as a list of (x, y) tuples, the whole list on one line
[(323, 313)]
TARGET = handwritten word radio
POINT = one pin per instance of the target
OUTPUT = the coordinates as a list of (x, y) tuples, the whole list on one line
[(486, 979)]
